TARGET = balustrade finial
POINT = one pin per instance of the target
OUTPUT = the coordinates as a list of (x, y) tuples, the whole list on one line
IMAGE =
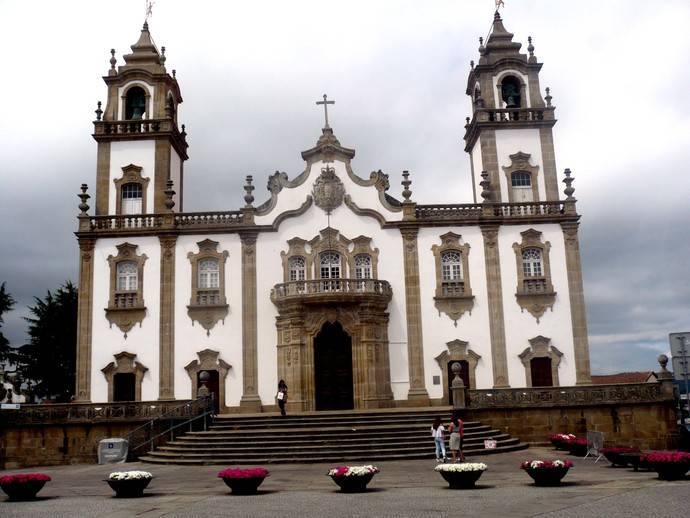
[(472, 64), (183, 133), (83, 206), (248, 188), (163, 58), (548, 97), (467, 121), (113, 62), (530, 49), (485, 184), (482, 49), (169, 193), (98, 111), (569, 189), (406, 182), (174, 73)]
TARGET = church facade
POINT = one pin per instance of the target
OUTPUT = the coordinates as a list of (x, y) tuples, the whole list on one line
[(356, 297)]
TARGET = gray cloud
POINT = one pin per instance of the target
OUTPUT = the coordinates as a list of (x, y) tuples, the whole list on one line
[(251, 73)]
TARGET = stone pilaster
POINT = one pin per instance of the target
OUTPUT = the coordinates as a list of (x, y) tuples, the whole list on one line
[(487, 141), (166, 387), (250, 396), (161, 174), (495, 295), (103, 183), (415, 346), (84, 320), (577, 303), (548, 156)]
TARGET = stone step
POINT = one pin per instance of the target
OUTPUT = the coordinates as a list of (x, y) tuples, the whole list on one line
[(290, 424), (362, 428)]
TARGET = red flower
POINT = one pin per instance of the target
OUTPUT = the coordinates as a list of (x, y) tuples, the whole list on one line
[(615, 450), (667, 457), (578, 441), (23, 478), (243, 473)]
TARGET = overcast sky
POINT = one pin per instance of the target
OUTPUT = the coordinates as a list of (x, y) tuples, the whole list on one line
[(250, 73)]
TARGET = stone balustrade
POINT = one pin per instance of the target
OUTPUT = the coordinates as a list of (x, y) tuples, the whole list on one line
[(335, 289), (134, 127)]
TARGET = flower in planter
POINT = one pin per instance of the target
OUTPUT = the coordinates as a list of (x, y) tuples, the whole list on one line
[(561, 436), (546, 472), (353, 471), (461, 467), (669, 465), (129, 475), (546, 464), (614, 454), (23, 478), (23, 486), (235, 473)]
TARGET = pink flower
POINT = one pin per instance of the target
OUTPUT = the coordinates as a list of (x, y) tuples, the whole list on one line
[(546, 464), (23, 478), (619, 449), (243, 473), (667, 457)]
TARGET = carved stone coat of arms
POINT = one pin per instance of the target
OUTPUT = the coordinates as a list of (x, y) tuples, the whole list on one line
[(328, 191)]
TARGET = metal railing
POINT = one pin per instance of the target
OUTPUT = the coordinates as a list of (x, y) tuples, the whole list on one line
[(167, 425)]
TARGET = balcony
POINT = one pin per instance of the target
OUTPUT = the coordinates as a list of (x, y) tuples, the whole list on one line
[(324, 291), (141, 128)]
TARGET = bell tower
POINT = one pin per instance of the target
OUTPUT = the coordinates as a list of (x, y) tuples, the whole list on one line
[(510, 132), (140, 147)]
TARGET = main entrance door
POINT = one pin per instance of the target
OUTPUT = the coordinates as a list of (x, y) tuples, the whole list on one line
[(333, 368)]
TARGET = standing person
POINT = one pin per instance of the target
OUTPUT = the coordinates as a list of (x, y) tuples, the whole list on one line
[(457, 434), (437, 432), (282, 396)]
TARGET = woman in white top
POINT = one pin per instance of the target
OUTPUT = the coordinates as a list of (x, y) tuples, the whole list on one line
[(437, 432)]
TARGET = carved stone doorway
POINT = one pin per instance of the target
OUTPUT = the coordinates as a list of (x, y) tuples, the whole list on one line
[(464, 376), (124, 386), (333, 368), (213, 386), (540, 369)]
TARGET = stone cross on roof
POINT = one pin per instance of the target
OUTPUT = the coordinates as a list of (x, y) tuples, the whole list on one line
[(325, 103)]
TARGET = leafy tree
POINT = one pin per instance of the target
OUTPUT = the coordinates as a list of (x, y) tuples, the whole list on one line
[(6, 304), (48, 360)]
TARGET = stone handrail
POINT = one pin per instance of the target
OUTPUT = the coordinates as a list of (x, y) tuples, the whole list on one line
[(566, 396), (125, 222), (487, 212), (513, 114), (93, 412), (208, 219), (448, 211), (132, 127), (320, 287), (537, 208), (146, 222)]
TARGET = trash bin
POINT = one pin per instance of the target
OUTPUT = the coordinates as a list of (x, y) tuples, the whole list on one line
[(111, 451)]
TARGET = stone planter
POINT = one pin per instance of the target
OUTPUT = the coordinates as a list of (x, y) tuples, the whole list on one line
[(578, 450), (23, 490), (547, 476), (461, 479), (671, 470), (353, 484), (243, 486), (133, 488)]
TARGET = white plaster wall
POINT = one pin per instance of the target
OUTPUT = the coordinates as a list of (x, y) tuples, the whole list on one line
[(293, 198), (138, 152), (509, 142), (270, 273), (141, 340), (225, 337), (499, 79), (521, 326), (149, 88), (439, 329), (478, 167), (175, 164)]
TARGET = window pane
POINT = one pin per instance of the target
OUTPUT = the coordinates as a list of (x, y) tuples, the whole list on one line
[(531, 262), (208, 274), (330, 265), (451, 265), (126, 276), (363, 266), (297, 268), (521, 179)]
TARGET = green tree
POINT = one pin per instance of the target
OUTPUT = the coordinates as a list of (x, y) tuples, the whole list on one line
[(6, 304), (48, 360)]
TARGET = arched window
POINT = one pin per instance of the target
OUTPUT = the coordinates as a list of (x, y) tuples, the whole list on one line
[(208, 274), (532, 270), (330, 265), (132, 195), (297, 267), (511, 92), (521, 184), (127, 276), (135, 103), (451, 273), (363, 266)]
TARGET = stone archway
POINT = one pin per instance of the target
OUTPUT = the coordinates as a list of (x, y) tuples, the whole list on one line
[(124, 363), (540, 347), (458, 351), (333, 387), (209, 361)]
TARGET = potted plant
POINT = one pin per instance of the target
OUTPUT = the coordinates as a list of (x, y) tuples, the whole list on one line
[(23, 486), (243, 481), (353, 479), (129, 484), (547, 472), (616, 454), (577, 446), (669, 465), (559, 440), (463, 475)]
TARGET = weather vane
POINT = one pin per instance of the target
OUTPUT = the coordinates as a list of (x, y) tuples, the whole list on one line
[(149, 9), (499, 4), (325, 103)]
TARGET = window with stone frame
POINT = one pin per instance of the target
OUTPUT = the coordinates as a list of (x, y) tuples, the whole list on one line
[(297, 266), (521, 178), (362, 266), (208, 303), (521, 186), (130, 191), (126, 299), (535, 291), (132, 197), (453, 291)]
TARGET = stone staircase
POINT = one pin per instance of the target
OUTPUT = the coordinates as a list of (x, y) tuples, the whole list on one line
[(388, 434)]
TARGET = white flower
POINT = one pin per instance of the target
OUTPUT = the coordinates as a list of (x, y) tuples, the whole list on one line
[(536, 464), (354, 471), (462, 467), (129, 475), (558, 463)]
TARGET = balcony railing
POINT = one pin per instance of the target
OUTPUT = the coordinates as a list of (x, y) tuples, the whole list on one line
[(335, 288), (448, 211), (476, 211), (146, 222), (133, 127), (537, 208)]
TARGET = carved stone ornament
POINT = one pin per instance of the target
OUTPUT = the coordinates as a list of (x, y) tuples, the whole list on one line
[(124, 363), (540, 347), (453, 298), (457, 350), (209, 360), (208, 305), (126, 308), (328, 191), (535, 302)]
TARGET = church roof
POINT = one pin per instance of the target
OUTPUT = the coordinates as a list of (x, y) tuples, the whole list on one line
[(144, 53), (500, 43), (328, 145)]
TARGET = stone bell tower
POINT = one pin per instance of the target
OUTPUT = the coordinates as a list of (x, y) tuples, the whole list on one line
[(140, 148), (510, 132)]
